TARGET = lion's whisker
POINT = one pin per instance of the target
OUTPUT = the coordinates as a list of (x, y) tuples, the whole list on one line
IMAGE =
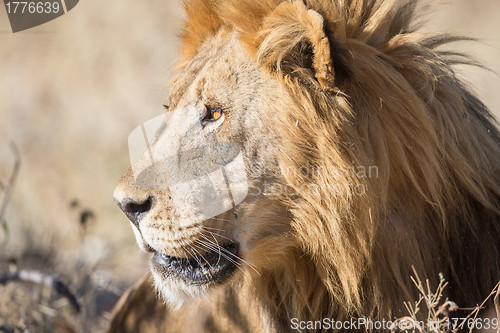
[(200, 254), (218, 247), (252, 266), (216, 233), (220, 219), (214, 248), (210, 247), (238, 257), (193, 255), (196, 251), (176, 256), (224, 220)]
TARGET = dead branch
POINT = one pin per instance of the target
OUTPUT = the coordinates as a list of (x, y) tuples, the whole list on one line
[(475, 313), (44, 280), (496, 300), (12, 180)]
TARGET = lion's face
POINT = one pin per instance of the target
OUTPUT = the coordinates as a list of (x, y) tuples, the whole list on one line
[(230, 99)]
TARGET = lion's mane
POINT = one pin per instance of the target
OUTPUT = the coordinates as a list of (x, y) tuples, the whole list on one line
[(390, 99)]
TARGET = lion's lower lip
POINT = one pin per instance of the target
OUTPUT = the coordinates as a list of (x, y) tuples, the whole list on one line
[(214, 266)]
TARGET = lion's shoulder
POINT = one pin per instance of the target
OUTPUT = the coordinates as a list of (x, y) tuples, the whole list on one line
[(141, 310)]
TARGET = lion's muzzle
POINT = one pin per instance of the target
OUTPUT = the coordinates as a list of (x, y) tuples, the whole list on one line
[(181, 193)]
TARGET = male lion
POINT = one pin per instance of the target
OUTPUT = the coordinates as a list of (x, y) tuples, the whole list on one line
[(365, 157)]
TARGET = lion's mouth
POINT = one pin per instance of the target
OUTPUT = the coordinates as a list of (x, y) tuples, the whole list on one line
[(211, 267)]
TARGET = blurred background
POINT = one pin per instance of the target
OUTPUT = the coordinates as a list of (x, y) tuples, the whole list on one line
[(71, 91)]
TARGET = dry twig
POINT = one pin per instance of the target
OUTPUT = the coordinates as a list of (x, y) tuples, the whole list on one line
[(12, 180), (475, 313), (42, 279), (496, 300)]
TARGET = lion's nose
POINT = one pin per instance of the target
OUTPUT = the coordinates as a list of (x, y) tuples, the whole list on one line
[(135, 210), (134, 201)]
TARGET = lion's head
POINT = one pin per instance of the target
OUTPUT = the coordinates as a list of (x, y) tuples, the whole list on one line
[(230, 98), (362, 153)]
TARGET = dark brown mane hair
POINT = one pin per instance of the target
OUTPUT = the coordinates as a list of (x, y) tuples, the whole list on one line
[(376, 93)]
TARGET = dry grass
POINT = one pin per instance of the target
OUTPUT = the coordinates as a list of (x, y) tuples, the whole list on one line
[(30, 307), (70, 92), (433, 313)]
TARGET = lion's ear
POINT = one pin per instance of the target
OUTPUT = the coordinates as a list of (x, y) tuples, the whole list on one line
[(293, 41)]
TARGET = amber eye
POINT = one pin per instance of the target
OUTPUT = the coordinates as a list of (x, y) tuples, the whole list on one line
[(213, 114), (216, 114)]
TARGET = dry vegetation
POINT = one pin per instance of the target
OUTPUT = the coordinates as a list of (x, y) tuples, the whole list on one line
[(70, 92), (433, 313)]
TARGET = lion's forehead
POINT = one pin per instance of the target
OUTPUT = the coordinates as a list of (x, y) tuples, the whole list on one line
[(219, 70), (224, 74)]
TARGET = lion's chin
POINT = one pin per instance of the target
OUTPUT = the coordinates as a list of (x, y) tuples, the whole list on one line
[(179, 279), (175, 293)]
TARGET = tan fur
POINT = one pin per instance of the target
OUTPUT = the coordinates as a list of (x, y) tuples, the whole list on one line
[(337, 84)]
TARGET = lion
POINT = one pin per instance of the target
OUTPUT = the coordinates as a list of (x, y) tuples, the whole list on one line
[(367, 161)]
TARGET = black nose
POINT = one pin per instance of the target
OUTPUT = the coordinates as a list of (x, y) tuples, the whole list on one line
[(135, 210)]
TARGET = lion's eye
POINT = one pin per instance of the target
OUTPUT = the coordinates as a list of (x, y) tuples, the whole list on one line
[(212, 115)]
